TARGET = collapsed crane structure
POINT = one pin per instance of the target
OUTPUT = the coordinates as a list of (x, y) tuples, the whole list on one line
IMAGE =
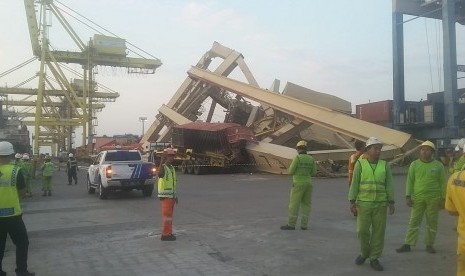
[(277, 120), (61, 104)]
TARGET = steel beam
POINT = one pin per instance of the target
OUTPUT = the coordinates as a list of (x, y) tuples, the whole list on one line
[(324, 117)]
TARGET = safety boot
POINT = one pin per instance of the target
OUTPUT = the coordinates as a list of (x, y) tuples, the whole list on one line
[(287, 227), (360, 260), (49, 193), (403, 248), (45, 193), (2, 273), (430, 249), (376, 265), (168, 238)]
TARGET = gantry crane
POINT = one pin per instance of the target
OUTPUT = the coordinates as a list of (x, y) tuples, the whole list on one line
[(77, 106)]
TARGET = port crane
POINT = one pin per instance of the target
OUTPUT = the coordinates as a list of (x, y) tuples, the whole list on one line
[(61, 104)]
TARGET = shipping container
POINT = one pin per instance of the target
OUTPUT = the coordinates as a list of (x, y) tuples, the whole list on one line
[(376, 112)]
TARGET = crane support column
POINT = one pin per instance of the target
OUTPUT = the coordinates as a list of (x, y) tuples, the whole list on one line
[(398, 67), (450, 67)]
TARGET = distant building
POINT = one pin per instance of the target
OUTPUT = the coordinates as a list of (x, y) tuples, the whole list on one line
[(14, 131)]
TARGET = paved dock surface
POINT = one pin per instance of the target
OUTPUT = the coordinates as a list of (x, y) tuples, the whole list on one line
[(225, 225)]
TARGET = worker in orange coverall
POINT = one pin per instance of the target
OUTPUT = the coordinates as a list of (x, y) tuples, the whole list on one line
[(167, 194), (358, 154)]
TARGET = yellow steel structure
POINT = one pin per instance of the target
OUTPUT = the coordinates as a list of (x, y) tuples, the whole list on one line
[(78, 106), (279, 121), (327, 118)]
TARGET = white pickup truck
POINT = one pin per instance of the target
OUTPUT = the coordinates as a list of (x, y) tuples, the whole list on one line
[(120, 170)]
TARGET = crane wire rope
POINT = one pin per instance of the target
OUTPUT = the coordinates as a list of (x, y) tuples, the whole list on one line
[(17, 67), (429, 56), (108, 31)]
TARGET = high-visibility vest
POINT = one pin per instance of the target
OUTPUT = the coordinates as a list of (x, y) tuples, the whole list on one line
[(26, 167), (72, 163), (47, 169), (167, 183), (9, 200), (372, 182)]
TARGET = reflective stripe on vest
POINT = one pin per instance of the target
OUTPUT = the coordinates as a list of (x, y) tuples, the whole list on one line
[(9, 200), (72, 163), (372, 181), (167, 183)]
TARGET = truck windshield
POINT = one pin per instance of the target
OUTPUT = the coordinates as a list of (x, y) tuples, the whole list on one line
[(123, 156)]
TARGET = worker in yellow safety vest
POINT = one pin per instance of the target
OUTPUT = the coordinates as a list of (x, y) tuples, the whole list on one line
[(460, 163), (370, 194), (167, 194), (302, 169), (426, 193), (455, 204), (11, 222), (26, 167)]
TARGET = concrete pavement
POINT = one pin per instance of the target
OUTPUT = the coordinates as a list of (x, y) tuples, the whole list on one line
[(225, 224)]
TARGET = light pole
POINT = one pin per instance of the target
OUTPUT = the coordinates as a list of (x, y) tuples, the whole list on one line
[(143, 120)]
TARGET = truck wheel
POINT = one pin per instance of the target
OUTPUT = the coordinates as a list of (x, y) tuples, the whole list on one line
[(90, 189), (190, 166), (103, 192), (147, 190), (198, 169), (184, 167)]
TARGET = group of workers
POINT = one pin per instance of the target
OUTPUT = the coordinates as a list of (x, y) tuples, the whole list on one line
[(371, 197), (15, 182)]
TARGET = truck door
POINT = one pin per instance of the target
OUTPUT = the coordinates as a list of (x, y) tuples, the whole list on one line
[(94, 169)]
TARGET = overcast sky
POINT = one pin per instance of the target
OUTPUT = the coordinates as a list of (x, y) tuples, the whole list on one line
[(339, 47)]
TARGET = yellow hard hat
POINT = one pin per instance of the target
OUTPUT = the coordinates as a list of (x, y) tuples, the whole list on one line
[(301, 144), (429, 144)]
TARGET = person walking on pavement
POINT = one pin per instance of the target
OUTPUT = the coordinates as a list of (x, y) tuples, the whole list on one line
[(456, 207), (167, 183), (47, 173), (302, 169), (11, 222), (426, 193), (370, 193), (26, 167), (71, 169)]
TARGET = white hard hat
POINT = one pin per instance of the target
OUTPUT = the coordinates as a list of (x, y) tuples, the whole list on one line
[(26, 156), (373, 141), (70, 155), (6, 148), (18, 155), (457, 148)]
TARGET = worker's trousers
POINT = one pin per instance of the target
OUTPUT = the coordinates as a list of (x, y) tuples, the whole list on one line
[(300, 198), (428, 208), (371, 242), (15, 228), (72, 174), (46, 183), (27, 179), (167, 208)]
